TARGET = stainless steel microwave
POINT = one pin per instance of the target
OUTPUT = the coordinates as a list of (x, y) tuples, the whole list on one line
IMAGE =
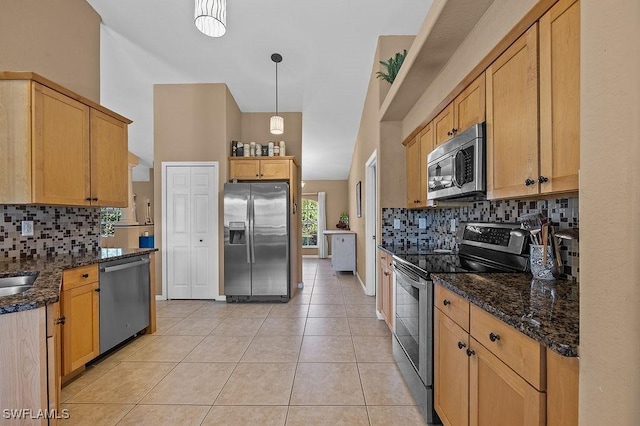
[(457, 168)]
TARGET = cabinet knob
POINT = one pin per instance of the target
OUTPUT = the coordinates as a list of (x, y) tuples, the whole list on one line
[(543, 179), (461, 345), (470, 352), (60, 320), (449, 134), (494, 337), (85, 275), (97, 290), (454, 130), (200, 240), (257, 174), (445, 302), (386, 273), (94, 199), (88, 199), (529, 182)]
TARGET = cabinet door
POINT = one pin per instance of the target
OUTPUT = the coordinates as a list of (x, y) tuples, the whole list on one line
[(451, 371), (443, 125), (560, 97), (53, 357), (562, 389), (469, 106), (244, 169), (80, 332), (413, 173), (274, 169), (60, 143), (512, 120), (498, 396), (109, 161), (426, 146)]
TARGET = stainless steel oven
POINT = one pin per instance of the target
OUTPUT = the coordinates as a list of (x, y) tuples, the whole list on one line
[(456, 169), (413, 334)]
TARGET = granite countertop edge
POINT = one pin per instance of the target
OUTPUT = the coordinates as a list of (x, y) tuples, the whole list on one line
[(543, 336), (46, 288)]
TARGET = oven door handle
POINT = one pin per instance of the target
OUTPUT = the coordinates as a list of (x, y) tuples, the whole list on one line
[(408, 279)]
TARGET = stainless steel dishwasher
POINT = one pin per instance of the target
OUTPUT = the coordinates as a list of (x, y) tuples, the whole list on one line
[(124, 300)]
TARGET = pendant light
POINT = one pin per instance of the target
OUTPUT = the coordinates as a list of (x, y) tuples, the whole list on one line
[(211, 17), (276, 125)]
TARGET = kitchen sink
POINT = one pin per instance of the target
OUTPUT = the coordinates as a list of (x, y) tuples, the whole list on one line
[(17, 284)]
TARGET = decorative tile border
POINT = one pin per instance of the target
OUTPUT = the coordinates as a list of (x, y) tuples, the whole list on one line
[(563, 213), (57, 230)]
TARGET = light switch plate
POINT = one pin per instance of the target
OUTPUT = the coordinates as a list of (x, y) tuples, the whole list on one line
[(396, 223), (422, 223), (453, 225), (27, 228)]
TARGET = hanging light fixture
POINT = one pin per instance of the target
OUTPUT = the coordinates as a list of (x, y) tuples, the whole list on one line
[(211, 17), (276, 125)]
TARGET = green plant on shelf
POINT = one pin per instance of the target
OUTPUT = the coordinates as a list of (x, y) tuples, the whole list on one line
[(392, 66)]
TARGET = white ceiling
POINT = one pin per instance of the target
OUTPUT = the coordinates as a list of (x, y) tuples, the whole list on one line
[(327, 46)]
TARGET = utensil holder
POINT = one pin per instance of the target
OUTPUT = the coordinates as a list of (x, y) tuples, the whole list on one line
[(539, 270)]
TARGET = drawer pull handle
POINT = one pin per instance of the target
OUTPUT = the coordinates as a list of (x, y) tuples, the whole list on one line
[(461, 345), (470, 352), (85, 275), (494, 337), (445, 302)]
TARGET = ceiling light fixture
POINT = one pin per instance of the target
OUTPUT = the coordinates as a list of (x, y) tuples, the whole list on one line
[(276, 125), (211, 17)]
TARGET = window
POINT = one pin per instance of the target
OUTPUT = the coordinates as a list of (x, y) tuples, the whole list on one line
[(309, 223), (109, 216)]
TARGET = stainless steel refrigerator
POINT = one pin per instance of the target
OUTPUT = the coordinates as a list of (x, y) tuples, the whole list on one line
[(256, 241)]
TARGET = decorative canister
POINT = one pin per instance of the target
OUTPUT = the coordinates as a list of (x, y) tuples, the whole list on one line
[(234, 147), (247, 150), (240, 150), (539, 269), (258, 150), (276, 151), (271, 154), (265, 150), (252, 152), (283, 149)]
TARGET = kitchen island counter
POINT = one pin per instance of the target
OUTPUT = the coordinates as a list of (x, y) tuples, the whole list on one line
[(46, 288)]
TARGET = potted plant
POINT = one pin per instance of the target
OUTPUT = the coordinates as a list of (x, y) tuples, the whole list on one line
[(392, 66), (344, 221)]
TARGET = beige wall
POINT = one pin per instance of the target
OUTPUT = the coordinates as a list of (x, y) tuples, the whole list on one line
[(609, 210), (190, 124), (391, 181), (59, 39), (337, 202)]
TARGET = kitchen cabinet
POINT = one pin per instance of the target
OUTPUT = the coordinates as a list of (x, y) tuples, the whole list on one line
[(53, 358), (417, 151), (512, 120), (467, 109), (560, 98), (60, 149), (28, 362), (386, 287), (261, 168), (490, 374), (81, 317), (520, 161), (562, 389)]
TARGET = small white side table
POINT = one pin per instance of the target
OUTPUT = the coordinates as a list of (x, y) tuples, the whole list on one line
[(343, 250)]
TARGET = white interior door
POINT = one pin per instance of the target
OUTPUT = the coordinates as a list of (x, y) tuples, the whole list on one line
[(371, 223), (191, 230)]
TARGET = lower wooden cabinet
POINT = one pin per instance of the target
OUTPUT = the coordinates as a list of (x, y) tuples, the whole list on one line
[(386, 287), (80, 310)]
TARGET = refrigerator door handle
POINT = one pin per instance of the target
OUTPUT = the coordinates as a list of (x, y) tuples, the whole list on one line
[(248, 230), (253, 225)]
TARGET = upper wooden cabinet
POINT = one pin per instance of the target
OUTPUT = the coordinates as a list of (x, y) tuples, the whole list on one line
[(467, 109), (417, 151), (560, 97), (512, 120), (261, 168), (58, 148)]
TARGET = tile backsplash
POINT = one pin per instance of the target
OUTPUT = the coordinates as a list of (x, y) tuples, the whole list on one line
[(57, 230), (563, 213)]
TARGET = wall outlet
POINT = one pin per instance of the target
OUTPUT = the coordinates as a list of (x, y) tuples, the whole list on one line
[(27, 228), (422, 223), (396, 223), (453, 225)]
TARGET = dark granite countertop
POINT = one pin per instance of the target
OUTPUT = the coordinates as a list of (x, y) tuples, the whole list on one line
[(546, 311), (402, 251), (46, 289)]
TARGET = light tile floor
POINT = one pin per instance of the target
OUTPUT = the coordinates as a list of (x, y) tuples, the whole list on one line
[(321, 359)]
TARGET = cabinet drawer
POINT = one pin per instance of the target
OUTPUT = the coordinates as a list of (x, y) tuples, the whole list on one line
[(521, 353), (454, 306), (76, 277)]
